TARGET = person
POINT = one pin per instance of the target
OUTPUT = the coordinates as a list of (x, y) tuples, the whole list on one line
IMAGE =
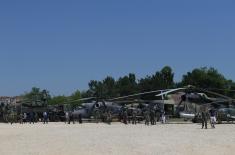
[(12, 117), (97, 115), (21, 118), (36, 118), (152, 117), (163, 117), (71, 117), (25, 117), (66, 117), (212, 117), (80, 118), (45, 117), (109, 117), (204, 115), (125, 116), (147, 117), (134, 117), (31, 117)]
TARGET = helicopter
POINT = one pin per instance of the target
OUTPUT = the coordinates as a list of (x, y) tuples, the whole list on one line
[(95, 108), (190, 99)]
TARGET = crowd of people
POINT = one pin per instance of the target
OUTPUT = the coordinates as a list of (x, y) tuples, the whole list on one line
[(33, 117), (149, 116), (127, 116)]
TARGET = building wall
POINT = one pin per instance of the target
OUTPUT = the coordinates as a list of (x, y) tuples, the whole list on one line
[(9, 100)]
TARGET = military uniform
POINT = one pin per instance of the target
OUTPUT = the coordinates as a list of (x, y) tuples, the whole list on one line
[(152, 117), (134, 117), (80, 119), (204, 116), (125, 117), (147, 117), (109, 117), (31, 117), (71, 118)]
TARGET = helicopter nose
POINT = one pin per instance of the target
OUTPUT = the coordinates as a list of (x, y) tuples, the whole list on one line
[(97, 105)]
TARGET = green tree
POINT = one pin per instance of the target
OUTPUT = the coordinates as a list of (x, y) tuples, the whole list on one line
[(127, 85), (163, 79), (61, 99), (96, 88), (109, 87), (36, 96), (204, 78), (167, 77), (76, 95)]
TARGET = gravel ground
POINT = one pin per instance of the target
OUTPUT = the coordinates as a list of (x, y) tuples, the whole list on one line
[(117, 139)]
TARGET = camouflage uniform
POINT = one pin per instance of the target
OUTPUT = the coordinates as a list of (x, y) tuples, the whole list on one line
[(125, 117), (71, 117), (147, 117), (134, 117), (204, 115), (152, 117)]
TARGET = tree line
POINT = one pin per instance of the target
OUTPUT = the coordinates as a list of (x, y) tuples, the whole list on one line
[(207, 78)]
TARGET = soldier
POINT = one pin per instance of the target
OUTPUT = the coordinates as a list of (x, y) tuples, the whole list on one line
[(96, 115), (71, 117), (152, 117), (12, 117), (109, 117), (21, 118), (80, 119), (147, 117), (125, 116), (24, 117), (204, 115), (134, 116), (31, 117)]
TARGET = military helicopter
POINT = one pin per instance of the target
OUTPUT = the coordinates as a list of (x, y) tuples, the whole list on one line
[(95, 107), (190, 99)]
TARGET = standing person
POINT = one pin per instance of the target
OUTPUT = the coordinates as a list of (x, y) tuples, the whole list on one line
[(45, 117), (12, 117), (66, 117), (147, 117), (21, 118), (152, 117), (134, 117), (25, 117), (204, 115), (80, 118), (212, 113), (31, 117), (125, 116), (163, 117), (71, 117), (109, 117), (36, 117), (97, 115)]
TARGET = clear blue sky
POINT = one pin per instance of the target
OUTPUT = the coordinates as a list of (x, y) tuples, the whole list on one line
[(61, 45)]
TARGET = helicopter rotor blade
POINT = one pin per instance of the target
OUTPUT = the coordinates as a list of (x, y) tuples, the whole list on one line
[(169, 91), (216, 102), (214, 93), (137, 94), (82, 99)]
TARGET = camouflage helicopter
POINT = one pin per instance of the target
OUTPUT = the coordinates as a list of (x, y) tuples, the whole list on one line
[(190, 99), (95, 108)]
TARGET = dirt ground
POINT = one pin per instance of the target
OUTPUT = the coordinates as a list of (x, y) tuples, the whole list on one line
[(117, 139)]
